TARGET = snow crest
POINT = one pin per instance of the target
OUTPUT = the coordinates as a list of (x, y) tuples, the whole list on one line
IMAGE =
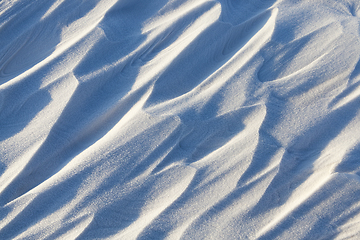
[(181, 119)]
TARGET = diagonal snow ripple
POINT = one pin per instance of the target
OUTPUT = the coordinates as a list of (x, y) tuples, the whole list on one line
[(137, 119)]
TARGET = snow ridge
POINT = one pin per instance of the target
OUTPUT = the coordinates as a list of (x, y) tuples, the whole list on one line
[(180, 119)]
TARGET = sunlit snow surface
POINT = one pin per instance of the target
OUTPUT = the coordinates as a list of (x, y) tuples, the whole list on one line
[(179, 119)]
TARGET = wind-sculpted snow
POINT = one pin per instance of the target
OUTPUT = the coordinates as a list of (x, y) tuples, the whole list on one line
[(183, 119)]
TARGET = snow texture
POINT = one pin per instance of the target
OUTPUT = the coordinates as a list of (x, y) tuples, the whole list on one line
[(179, 119)]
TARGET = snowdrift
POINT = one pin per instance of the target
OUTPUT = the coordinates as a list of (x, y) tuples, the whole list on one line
[(179, 119)]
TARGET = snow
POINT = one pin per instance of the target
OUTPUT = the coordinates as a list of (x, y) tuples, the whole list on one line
[(179, 119)]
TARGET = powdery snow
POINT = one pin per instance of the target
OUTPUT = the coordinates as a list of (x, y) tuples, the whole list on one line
[(179, 119)]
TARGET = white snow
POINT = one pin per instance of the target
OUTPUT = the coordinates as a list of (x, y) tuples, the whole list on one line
[(179, 119)]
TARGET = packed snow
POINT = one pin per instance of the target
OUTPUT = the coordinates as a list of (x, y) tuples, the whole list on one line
[(179, 119)]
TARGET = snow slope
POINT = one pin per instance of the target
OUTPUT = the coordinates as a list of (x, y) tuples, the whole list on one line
[(179, 119)]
